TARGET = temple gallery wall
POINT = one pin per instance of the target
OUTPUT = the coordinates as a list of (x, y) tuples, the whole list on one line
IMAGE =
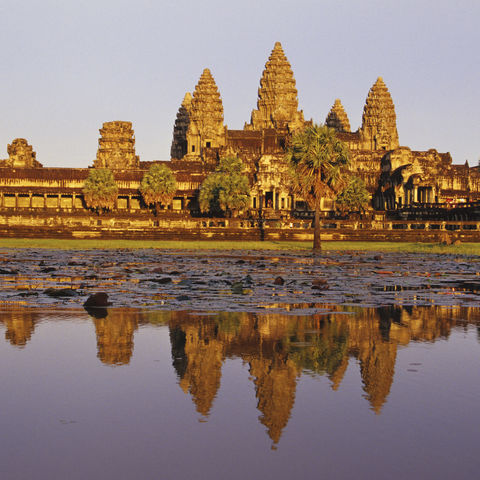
[(396, 176)]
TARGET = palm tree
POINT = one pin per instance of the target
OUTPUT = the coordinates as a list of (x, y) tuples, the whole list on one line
[(317, 159), (100, 190), (158, 186), (226, 189), (354, 197)]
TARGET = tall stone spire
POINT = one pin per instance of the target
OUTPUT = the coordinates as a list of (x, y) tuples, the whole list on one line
[(206, 128), (277, 104), (179, 142), (337, 118), (116, 147), (379, 122)]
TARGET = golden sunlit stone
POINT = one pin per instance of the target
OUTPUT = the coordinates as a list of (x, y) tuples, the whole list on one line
[(395, 176), (116, 147), (379, 122), (277, 105), (21, 155), (206, 128), (337, 118)]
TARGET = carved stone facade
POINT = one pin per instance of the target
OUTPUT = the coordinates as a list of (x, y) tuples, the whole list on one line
[(116, 147), (337, 118), (179, 144), (206, 129), (277, 105), (395, 176), (379, 122), (21, 155)]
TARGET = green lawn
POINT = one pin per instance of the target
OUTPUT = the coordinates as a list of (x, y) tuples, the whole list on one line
[(73, 244)]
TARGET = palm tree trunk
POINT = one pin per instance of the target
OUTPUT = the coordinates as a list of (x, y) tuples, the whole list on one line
[(317, 245)]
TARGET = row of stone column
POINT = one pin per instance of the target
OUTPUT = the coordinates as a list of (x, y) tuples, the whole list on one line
[(76, 201)]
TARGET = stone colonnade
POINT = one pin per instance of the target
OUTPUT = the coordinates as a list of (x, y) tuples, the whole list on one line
[(74, 201)]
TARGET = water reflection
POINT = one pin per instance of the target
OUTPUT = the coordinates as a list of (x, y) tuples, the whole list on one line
[(115, 336), (20, 325), (278, 349)]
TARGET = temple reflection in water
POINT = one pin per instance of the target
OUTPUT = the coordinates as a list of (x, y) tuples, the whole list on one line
[(277, 348)]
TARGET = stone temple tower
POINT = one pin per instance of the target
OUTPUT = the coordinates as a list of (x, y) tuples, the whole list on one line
[(116, 147), (277, 105), (337, 118), (206, 128), (179, 144), (379, 122), (21, 155)]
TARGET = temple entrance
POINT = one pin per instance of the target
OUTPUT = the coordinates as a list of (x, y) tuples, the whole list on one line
[(425, 194), (268, 199)]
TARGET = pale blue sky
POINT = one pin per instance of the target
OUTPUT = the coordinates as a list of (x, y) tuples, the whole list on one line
[(68, 66)]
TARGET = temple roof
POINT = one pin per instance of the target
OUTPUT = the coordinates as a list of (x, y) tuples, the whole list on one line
[(179, 142), (277, 103), (337, 118), (206, 104), (379, 121)]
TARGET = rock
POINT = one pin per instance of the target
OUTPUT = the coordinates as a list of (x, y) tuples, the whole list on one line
[(157, 270), (48, 269), (60, 292), (6, 271), (248, 279), (161, 281), (240, 262), (378, 257), (320, 284), (182, 298), (237, 288), (457, 242), (99, 299), (279, 281)]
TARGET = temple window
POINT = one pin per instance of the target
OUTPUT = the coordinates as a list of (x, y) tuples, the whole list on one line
[(193, 148), (208, 144)]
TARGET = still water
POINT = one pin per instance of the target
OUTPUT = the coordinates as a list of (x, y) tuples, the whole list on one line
[(386, 392)]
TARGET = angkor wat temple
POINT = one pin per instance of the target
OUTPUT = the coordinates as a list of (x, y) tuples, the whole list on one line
[(395, 175)]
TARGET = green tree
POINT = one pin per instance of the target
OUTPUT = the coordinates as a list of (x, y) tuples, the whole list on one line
[(100, 190), (318, 161), (226, 189), (354, 197), (158, 186)]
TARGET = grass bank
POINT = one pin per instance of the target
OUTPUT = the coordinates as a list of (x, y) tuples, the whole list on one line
[(75, 244)]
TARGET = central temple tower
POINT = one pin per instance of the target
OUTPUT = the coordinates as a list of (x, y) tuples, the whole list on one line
[(277, 105)]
